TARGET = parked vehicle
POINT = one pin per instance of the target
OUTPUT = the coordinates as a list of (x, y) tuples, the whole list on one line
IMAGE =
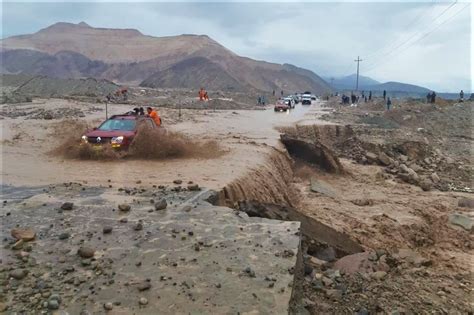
[(306, 99), (289, 101), (281, 106)]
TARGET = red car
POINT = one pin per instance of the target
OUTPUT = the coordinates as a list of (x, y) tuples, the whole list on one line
[(281, 106), (118, 130)]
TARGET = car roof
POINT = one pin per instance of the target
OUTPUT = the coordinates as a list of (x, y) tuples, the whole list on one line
[(128, 117)]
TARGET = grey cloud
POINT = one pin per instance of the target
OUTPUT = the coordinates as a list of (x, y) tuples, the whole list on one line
[(324, 37)]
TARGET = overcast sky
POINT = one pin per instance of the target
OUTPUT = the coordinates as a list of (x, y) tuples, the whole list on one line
[(425, 43)]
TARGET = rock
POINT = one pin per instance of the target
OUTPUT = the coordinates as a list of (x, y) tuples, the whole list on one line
[(327, 254), (461, 220), (409, 175), (327, 282), (67, 206), (371, 157), (107, 230), (143, 301), (435, 178), (177, 181), (466, 203), (308, 303), (351, 264), (363, 202), (108, 306), (385, 159), (249, 272), (64, 235), (138, 226), (123, 220), (426, 184), (333, 294), (412, 176), (86, 252), (25, 234), (403, 168), (412, 257), (187, 208), (362, 311), (161, 204), (193, 187), (53, 304), (18, 274), (416, 167), (321, 187), (124, 207), (18, 245), (55, 297), (47, 116), (316, 262), (3, 307), (378, 275), (403, 158), (145, 285)]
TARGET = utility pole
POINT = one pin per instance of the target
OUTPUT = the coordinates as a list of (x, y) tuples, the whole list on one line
[(357, 81)]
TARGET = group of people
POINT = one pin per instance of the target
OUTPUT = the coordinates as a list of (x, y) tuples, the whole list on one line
[(354, 99), (431, 97), (262, 100), (152, 113)]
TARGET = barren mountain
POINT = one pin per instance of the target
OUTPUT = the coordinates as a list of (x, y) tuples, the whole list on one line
[(127, 56)]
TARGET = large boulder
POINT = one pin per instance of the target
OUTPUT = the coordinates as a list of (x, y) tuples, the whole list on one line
[(25, 234), (461, 220), (355, 263)]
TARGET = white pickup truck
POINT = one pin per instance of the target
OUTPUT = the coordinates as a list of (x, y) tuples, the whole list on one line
[(306, 99)]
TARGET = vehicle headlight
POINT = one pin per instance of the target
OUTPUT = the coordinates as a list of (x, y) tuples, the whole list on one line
[(84, 138), (117, 140)]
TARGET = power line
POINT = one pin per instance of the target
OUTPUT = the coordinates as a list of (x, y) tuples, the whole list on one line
[(390, 45), (393, 50), (376, 64)]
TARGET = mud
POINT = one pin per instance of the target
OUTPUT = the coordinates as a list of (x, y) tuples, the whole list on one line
[(147, 145), (372, 241), (156, 144)]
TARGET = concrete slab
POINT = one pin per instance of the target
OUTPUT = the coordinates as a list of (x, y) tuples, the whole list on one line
[(192, 258)]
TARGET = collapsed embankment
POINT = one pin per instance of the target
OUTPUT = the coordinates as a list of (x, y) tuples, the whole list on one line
[(269, 192), (371, 240)]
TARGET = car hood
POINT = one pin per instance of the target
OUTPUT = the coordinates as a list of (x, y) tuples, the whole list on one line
[(109, 133)]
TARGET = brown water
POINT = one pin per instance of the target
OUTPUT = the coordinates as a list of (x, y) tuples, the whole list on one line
[(246, 136)]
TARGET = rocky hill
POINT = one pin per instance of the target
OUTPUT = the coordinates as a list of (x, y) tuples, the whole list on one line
[(127, 56)]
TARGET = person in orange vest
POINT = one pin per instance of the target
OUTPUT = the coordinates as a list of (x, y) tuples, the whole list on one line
[(153, 114), (203, 95)]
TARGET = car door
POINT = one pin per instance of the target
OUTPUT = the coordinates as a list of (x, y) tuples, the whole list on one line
[(150, 124)]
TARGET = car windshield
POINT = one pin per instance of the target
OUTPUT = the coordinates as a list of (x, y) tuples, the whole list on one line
[(118, 124)]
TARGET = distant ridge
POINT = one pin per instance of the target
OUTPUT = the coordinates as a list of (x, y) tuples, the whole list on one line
[(67, 50)]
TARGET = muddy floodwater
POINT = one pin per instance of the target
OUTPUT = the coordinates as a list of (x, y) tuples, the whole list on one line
[(245, 135)]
